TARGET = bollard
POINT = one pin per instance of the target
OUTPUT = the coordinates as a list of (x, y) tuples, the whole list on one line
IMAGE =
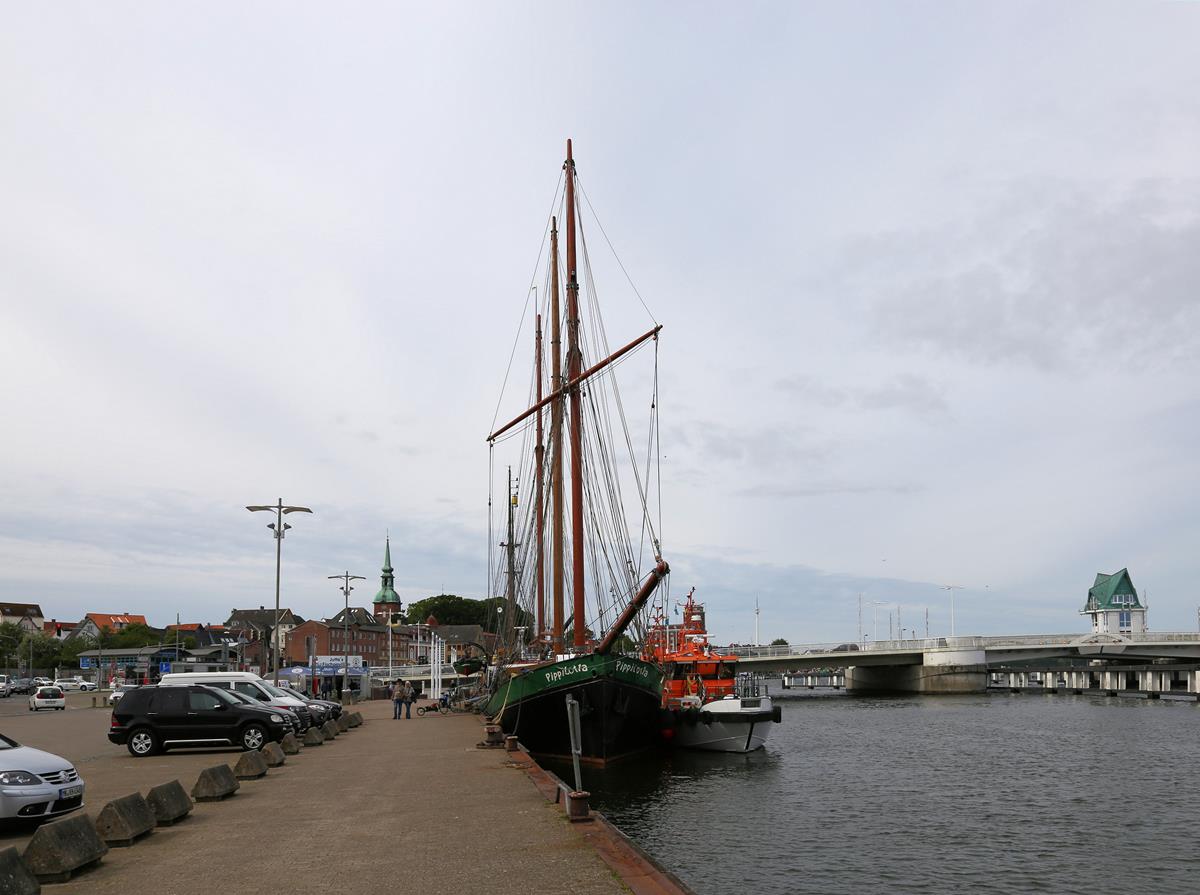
[(273, 753), (289, 744), (63, 847), (169, 802), (250, 766), (124, 820), (329, 729), (495, 736), (15, 877), (511, 744), (577, 807), (313, 737), (214, 784)]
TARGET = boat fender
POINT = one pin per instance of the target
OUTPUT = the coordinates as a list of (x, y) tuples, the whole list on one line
[(777, 714)]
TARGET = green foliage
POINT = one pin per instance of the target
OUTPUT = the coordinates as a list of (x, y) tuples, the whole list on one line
[(130, 637), (46, 650), (448, 609), (779, 641), (625, 645)]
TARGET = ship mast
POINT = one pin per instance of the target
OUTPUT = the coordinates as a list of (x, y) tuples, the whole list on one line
[(510, 602), (538, 510), (574, 367), (556, 446)]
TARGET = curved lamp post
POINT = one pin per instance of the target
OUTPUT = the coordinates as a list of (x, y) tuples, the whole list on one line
[(278, 527)]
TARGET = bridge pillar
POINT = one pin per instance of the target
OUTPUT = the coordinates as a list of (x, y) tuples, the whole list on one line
[(944, 672)]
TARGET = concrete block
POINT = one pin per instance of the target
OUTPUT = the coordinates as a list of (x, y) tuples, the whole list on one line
[(329, 729), (273, 754), (63, 847), (355, 719), (313, 737), (15, 877), (343, 723), (169, 802), (250, 766), (290, 744), (214, 784), (125, 819)]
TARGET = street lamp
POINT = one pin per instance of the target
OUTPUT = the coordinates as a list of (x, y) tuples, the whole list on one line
[(875, 617), (952, 588), (278, 527), (346, 578)]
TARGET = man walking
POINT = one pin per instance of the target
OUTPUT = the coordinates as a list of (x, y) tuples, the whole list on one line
[(397, 698), (407, 697)]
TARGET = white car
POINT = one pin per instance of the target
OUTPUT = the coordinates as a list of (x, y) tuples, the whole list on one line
[(42, 682), (36, 784), (47, 698), (120, 691), (67, 683), (86, 685)]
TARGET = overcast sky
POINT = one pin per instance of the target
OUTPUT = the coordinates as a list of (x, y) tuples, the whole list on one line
[(928, 275)]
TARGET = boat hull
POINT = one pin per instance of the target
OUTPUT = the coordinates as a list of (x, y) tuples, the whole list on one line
[(619, 707), (726, 725)]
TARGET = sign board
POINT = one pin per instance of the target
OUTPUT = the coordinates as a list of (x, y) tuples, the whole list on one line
[(85, 662), (164, 668), (339, 661)]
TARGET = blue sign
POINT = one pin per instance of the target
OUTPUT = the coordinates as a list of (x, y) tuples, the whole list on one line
[(164, 668), (85, 662)]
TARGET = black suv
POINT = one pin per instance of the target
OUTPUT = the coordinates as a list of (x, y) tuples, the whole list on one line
[(150, 719)]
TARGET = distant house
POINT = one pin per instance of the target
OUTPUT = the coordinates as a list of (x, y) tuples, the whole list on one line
[(58, 630), (94, 622), (1113, 604), (356, 616), (27, 615)]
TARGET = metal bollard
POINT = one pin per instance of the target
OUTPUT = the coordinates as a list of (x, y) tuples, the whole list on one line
[(577, 806), (510, 744)]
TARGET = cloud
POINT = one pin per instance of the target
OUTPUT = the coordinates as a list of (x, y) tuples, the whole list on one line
[(904, 392), (822, 490), (1054, 274)]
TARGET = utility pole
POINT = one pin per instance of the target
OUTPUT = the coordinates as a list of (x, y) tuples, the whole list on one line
[(860, 633), (345, 578), (757, 642), (952, 588)]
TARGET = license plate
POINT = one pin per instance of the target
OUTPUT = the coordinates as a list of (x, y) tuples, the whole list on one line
[(70, 792)]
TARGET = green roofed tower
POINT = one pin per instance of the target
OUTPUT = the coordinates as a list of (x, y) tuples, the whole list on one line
[(387, 601), (1114, 606)]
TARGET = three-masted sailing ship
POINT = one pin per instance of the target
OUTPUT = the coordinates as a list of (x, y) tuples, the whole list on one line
[(619, 694)]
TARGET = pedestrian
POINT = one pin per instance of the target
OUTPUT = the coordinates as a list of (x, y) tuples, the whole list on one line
[(408, 699), (397, 698)]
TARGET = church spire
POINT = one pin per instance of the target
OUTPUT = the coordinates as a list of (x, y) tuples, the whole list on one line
[(387, 600)]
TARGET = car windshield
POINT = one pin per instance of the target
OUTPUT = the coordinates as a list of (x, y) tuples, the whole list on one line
[(276, 691), (241, 697)]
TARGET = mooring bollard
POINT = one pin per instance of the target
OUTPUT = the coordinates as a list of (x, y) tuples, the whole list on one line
[(577, 806), (495, 736), (511, 744)]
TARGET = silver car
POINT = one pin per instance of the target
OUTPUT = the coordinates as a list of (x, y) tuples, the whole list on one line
[(36, 784)]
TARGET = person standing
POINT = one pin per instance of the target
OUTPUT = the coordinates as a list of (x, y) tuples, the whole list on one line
[(397, 698), (408, 699)]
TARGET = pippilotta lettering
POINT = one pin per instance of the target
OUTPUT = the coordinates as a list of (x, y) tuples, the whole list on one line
[(557, 674), (626, 667)]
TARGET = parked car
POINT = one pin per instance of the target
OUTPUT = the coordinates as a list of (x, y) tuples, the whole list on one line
[(22, 685), (42, 682), (244, 682), (36, 784), (67, 683), (5, 685), (292, 718), (87, 685), (335, 708), (47, 698), (156, 718), (119, 692)]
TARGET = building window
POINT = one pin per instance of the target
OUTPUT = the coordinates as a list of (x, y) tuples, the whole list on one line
[(1126, 620)]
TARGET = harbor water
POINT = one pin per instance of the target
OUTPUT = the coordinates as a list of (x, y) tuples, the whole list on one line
[(995, 793)]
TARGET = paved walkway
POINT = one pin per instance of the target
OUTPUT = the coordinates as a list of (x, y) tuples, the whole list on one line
[(391, 807)]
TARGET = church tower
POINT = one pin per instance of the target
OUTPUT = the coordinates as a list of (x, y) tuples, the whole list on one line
[(387, 601)]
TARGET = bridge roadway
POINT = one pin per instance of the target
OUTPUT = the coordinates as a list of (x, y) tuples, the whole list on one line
[(927, 665), (959, 664)]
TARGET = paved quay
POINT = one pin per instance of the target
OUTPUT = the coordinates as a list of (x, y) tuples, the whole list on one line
[(390, 807)]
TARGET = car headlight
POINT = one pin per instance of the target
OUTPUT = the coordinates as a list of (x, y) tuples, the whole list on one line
[(19, 778), (278, 719)]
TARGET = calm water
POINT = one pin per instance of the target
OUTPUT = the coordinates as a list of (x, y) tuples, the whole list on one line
[(989, 793)]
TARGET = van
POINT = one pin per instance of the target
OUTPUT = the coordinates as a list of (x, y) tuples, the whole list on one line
[(6, 685), (245, 683)]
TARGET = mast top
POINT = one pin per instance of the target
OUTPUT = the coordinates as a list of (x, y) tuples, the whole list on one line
[(570, 162)]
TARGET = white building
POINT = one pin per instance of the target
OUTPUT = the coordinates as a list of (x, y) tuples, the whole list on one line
[(1114, 606)]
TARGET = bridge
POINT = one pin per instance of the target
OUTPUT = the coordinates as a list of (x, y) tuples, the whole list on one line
[(960, 664), (927, 665)]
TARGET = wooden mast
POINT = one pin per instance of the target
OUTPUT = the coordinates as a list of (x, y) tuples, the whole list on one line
[(538, 453), (574, 366), (556, 446)]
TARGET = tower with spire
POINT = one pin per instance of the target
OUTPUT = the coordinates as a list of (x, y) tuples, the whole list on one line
[(387, 601)]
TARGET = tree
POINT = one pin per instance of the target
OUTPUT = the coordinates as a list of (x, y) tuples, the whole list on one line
[(779, 641), (131, 636), (448, 609)]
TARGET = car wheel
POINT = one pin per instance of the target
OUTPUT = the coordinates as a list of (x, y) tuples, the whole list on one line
[(420, 711), (142, 742), (254, 736)]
